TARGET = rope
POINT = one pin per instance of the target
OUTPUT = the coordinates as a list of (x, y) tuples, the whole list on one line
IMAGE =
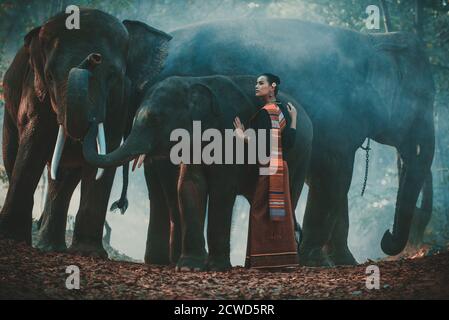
[(367, 149)]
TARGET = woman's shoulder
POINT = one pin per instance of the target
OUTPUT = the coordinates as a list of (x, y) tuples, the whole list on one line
[(260, 119)]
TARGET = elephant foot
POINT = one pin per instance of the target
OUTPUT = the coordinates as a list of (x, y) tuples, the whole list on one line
[(157, 258), (17, 234), (314, 258), (88, 250), (3, 231), (48, 246), (174, 257), (5, 235), (218, 264), (191, 263), (48, 241), (342, 257), (298, 235)]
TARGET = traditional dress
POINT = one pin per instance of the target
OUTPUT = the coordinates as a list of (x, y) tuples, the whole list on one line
[(271, 235)]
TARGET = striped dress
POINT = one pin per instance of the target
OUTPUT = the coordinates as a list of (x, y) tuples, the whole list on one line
[(271, 237)]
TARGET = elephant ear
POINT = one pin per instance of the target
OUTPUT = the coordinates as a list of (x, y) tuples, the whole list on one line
[(203, 104), (147, 50), (34, 48)]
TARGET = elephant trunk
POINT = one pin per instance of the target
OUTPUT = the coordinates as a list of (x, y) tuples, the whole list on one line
[(79, 107), (394, 242), (77, 103), (80, 110), (131, 148)]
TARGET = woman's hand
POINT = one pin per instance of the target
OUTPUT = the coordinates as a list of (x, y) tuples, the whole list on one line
[(293, 114), (239, 128), (292, 110)]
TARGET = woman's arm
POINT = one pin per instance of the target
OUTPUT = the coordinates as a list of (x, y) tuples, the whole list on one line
[(289, 134), (263, 121), (239, 130)]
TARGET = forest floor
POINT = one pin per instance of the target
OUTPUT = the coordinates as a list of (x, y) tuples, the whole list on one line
[(26, 273)]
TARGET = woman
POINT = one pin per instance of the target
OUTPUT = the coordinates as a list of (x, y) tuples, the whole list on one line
[(271, 237)]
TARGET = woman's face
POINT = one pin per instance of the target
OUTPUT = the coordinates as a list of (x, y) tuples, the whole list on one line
[(263, 87)]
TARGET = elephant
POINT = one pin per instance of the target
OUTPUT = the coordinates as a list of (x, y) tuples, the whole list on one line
[(352, 85), (61, 82), (215, 101)]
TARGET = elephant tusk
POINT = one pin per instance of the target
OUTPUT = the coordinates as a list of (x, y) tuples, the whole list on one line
[(57, 153), (101, 147), (134, 164), (138, 161), (141, 160)]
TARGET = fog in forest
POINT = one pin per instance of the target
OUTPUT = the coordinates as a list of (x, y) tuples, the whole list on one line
[(369, 215)]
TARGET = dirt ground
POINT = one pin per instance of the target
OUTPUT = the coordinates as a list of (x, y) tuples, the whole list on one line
[(26, 273)]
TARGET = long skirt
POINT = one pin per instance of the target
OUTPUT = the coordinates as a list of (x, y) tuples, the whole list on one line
[(271, 244)]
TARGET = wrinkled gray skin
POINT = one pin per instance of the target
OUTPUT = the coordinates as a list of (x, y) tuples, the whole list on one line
[(215, 101), (74, 79), (352, 86)]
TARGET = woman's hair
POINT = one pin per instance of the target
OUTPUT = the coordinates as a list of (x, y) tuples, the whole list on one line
[(272, 79)]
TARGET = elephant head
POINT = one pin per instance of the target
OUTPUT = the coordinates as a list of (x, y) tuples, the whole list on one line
[(83, 72), (171, 104)]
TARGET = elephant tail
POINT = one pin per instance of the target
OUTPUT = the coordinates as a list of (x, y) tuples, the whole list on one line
[(122, 203)]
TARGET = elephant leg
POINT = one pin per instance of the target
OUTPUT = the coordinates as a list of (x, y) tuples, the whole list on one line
[(170, 186), (222, 194), (36, 141), (192, 194), (338, 250), (51, 236), (329, 183), (158, 238), (10, 143), (297, 184), (337, 247), (89, 223)]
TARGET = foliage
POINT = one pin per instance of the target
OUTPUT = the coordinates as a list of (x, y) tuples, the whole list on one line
[(3, 176)]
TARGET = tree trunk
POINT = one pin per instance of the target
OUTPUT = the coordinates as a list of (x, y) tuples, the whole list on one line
[(419, 16), (386, 15)]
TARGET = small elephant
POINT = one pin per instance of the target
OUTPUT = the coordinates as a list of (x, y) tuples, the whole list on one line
[(215, 101)]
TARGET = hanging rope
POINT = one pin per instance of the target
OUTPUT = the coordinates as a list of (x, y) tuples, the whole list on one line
[(367, 149)]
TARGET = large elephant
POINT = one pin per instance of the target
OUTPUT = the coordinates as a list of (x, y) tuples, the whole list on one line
[(61, 82), (352, 85), (215, 101)]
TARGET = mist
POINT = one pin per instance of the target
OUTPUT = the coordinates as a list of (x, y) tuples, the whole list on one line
[(370, 215)]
